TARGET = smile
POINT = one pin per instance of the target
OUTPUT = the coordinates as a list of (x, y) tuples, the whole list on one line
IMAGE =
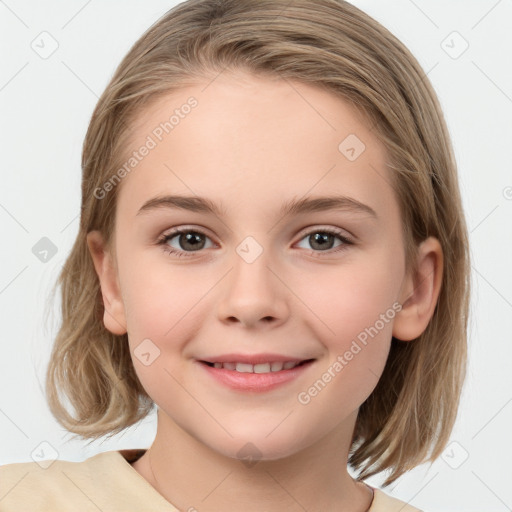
[(257, 368), (259, 377)]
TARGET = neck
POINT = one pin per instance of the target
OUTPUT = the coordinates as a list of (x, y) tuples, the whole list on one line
[(191, 475)]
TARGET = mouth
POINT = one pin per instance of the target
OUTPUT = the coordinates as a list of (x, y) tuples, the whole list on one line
[(254, 378), (269, 367)]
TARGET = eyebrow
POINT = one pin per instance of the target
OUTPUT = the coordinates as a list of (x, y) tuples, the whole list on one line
[(292, 207)]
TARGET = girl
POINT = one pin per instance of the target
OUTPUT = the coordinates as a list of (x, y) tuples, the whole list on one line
[(272, 250)]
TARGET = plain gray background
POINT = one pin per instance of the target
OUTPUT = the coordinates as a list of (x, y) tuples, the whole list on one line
[(46, 102)]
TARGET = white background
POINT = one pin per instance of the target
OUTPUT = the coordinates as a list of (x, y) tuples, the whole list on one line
[(45, 107)]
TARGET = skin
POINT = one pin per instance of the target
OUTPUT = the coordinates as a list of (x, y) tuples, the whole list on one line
[(253, 144)]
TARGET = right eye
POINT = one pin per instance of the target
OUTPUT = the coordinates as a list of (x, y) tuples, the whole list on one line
[(187, 240)]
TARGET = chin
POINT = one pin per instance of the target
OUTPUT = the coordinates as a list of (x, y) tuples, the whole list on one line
[(250, 448)]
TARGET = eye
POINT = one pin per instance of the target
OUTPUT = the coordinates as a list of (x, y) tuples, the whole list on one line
[(187, 241), (321, 240)]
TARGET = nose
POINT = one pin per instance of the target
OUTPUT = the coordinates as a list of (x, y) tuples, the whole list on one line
[(253, 295)]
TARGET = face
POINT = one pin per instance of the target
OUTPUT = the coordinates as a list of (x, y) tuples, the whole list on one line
[(322, 283)]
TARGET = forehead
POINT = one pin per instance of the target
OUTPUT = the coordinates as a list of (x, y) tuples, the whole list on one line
[(243, 140)]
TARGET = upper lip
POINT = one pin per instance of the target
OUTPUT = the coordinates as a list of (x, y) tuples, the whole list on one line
[(253, 358)]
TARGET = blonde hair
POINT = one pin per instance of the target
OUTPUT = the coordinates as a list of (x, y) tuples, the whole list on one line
[(333, 45)]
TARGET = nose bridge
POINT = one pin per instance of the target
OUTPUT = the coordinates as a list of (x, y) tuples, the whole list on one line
[(252, 293)]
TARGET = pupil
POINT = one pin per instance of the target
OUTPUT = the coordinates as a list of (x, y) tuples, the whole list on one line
[(321, 239), (194, 239)]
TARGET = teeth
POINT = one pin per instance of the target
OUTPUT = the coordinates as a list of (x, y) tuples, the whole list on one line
[(257, 368), (244, 368), (262, 368)]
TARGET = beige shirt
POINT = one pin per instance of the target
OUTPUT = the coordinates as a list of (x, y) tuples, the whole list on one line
[(105, 482)]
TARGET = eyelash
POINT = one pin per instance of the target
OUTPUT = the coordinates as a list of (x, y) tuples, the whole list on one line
[(188, 254)]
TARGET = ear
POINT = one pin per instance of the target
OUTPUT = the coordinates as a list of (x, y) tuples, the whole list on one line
[(114, 315), (420, 291)]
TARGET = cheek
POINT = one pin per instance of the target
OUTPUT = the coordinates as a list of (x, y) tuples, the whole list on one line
[(352, 312), (353, 297), (163, 306), (165, 309), (158, 298)]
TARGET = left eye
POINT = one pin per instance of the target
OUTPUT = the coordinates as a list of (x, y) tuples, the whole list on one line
[(324, 238), (190, 241)]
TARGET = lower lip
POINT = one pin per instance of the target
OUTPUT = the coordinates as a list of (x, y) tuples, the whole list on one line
[(258, 382)]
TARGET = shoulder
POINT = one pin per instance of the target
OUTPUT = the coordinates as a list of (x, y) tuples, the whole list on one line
[(105, 481), (47, 485), (382, 502)]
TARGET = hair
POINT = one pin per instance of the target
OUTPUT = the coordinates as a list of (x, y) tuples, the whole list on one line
[(330, 44)]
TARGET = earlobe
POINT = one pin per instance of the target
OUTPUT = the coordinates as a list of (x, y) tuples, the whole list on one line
[(420, 292), (114, 315)]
